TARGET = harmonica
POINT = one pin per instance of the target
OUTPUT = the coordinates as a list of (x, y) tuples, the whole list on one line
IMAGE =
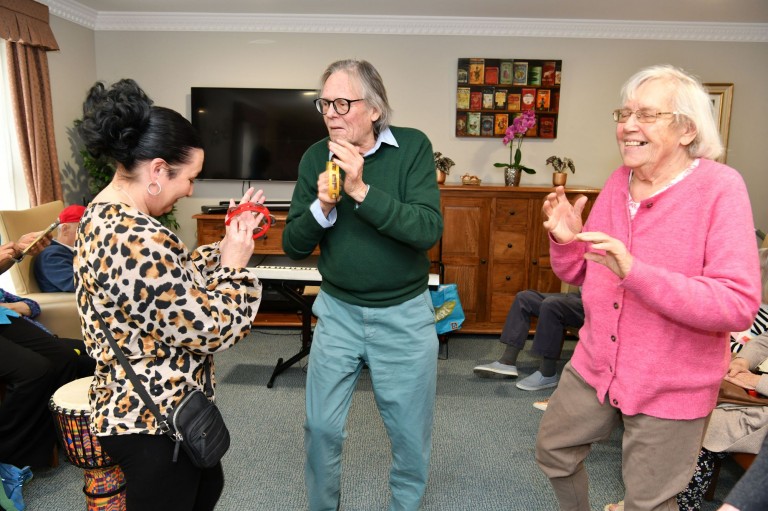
[(334, 180)]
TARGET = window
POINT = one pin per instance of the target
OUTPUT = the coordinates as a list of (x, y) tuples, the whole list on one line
[(13, 190)]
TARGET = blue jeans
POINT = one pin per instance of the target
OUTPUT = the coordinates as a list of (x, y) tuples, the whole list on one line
[(399, 345)]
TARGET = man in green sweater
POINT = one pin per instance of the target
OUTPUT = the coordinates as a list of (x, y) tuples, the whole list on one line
[(373, 307)]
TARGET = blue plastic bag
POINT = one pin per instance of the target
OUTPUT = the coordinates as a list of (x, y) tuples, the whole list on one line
[(448, 312), (13, 479)]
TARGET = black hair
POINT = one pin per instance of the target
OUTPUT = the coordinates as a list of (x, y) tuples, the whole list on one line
[(121, 123)]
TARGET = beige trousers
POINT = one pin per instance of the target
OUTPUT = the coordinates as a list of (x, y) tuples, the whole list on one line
[(658, 455)]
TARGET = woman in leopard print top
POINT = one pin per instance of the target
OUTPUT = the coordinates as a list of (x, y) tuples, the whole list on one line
[(168, 309)]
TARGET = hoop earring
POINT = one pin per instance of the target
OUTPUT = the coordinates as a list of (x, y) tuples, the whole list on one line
[(159, 189)]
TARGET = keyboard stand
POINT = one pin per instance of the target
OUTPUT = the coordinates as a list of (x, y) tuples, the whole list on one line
[(306, 327)]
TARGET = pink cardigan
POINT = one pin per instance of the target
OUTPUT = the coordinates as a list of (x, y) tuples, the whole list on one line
[(656, 342)]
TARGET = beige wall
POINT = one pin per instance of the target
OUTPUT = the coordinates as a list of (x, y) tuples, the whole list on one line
[(419, 72)]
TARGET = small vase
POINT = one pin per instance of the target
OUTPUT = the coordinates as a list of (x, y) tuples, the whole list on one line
[(559, 178), (440, 176), (512, 176)]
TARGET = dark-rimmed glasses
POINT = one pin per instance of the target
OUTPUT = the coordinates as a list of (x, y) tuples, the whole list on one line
[(341, 105), (645, 116)]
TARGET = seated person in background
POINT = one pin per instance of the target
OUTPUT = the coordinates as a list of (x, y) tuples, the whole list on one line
[(33, 364), (760, 325), (749, 493), (734, 428), (555, 311), (53, 267)]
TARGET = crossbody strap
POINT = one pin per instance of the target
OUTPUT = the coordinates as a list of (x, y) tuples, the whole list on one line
[(137, 385)]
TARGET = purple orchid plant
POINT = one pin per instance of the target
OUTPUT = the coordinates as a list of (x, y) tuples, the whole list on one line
[(516, 131)]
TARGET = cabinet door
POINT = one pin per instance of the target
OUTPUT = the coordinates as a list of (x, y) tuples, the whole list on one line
[(465, 251)]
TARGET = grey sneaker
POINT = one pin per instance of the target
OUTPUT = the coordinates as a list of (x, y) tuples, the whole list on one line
[(537, 381), (495, 370)]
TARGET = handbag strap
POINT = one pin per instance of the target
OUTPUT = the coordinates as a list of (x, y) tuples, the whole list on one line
[(140, 389), (137, 385)]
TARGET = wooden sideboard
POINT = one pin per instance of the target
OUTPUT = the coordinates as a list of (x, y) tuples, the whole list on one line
[(493, 246)]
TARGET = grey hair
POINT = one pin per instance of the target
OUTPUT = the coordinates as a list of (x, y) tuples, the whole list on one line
[(372, 86), (690, 100)]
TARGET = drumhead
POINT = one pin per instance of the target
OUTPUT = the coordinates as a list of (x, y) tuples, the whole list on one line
[(73, 395)]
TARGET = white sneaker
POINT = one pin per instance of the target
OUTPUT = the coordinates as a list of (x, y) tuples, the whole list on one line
[(495, 370)]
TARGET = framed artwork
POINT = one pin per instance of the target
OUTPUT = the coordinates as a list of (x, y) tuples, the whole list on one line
[(491, 92), (721, 95)]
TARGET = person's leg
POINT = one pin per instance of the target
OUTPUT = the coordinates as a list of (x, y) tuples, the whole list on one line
[(335, 362), (555, 313), (514, 335), (658, 459), (154, 482), (691, 498), (573, 421), (27, 433), (402, 357)]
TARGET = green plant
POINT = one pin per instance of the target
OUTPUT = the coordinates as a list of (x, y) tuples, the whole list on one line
[(100, 172), (561, 164), (443, 163)]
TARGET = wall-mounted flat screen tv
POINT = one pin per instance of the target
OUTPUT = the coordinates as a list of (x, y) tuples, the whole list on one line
[(255, 134)]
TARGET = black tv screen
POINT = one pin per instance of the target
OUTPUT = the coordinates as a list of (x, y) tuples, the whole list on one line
[(255, 134)]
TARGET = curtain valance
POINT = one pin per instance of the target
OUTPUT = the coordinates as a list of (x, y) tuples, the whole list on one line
[(26, 22)]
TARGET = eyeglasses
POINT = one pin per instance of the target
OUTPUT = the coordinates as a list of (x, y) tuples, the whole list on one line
[(622, 115), (341, 105)]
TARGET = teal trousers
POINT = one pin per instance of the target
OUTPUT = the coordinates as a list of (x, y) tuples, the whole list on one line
[(399, 346)]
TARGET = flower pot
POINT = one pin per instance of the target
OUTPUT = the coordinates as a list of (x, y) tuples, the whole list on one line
[(512, 176), (559, 178), (440, 176)]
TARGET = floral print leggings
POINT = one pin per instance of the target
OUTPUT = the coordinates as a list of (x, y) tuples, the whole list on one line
[(690, 499)]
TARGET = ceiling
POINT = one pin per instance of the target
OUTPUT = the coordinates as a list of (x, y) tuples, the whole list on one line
[(715, 11)]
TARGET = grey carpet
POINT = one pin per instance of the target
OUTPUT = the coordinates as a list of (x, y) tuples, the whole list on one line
[(482, 457)]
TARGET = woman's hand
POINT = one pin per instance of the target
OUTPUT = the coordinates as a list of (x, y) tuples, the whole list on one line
[(745, 379), (20, 307), (563, 218), (616, 258), (237, 246), (28, 238), (738, 365)]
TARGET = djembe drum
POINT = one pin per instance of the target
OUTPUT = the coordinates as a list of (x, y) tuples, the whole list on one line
[(104, 481)]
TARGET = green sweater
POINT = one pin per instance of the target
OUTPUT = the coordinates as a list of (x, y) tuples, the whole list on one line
[(375, 255)]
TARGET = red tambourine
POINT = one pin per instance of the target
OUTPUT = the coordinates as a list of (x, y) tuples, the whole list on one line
[(253, 207)]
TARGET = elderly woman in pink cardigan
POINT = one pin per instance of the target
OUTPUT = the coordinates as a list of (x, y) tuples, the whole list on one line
[(668, 267)]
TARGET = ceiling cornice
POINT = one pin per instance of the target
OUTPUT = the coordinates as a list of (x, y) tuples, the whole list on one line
[(407, 25)]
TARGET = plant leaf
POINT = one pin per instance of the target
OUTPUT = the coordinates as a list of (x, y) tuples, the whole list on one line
[(518, 156)]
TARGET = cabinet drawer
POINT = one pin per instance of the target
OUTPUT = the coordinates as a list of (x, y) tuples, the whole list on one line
[(511, 212), (509, 246), (508, 278), (500, 305), (210, 231)]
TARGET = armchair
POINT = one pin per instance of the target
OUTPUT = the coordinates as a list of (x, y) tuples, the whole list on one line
[(59, 310)]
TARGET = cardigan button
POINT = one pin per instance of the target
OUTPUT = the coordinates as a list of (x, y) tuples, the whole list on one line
[(613, 338), (616, 402), (649, 205), (615, 305)]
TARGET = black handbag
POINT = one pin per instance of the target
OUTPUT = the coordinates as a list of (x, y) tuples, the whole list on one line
[(195, 423)]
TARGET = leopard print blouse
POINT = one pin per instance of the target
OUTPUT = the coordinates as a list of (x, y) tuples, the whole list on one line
[(167, 309)]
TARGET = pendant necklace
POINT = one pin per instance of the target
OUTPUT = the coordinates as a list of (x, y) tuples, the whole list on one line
[(124, 192)]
